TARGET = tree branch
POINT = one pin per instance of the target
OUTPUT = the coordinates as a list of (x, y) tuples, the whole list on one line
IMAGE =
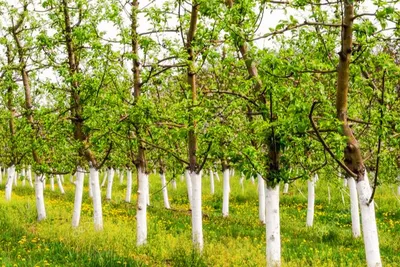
[(341, 164)]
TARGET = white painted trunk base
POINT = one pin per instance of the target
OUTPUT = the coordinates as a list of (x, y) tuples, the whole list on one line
[(103, 183), (286, 188), (15, 178), (197, 217), (52, 183), (23, 175), (273, 235), (261, 198), (1, 175), (189, 187), (9, 183), (173, 182), (252, 180), (212, 188), (241, 182), (128, 186), (311, 202), (110, 178), (59, 182), (97, 208), (164, 190), (141, 213), (370, 231), (76, 215), (41, 211), (398, 190), (225, 196), (355, 213), (217, 176), (29, 176)]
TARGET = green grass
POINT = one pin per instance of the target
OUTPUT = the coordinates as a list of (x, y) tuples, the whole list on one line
[(238, 240)]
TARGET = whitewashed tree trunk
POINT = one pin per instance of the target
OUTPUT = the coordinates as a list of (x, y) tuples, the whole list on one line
[(225, 196), (174, 183), (182, 178), (23, 174), (128, 185), (110, 174), (15, 178), (90, 185), (311, 202), (398, 190), (29, 176), (189, 187), (261, 198), (252, 180), (355, 213), (273, 232), (370, 231), (76, 215), (52, 182), (1, 175), (217, 176), (197, 220), (9, 183), (59, 182), (286, 188), (41, 211), (164, 190), (97, 208), (103, 183), (141, 225), (212, 189), (344, 182)]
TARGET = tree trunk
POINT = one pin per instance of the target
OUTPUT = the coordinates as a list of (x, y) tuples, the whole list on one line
[(76, 215), (164, 190), (97, 208), (60, 186), (225, 202), (110, 179), (141, 208), (197, 222), (52, 183), (273, 234), (189, 187), (311, 202), (286, 188), (41, 211), (9, 183), (261, 198), (355, 214), (212, 189), (370, 231), (128, 185)]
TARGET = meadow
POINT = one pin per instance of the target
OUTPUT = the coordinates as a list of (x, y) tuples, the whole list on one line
[(238, 240)]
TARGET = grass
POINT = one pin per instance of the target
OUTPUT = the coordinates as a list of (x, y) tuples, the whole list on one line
[(238, 240)]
